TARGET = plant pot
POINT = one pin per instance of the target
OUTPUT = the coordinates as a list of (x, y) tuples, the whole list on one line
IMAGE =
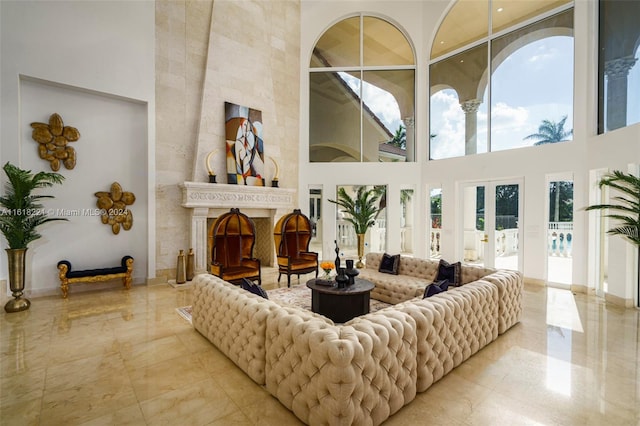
[(16, 263), (360, 250)]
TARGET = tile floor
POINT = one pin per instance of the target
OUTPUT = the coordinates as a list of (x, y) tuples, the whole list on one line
[(127, 358)]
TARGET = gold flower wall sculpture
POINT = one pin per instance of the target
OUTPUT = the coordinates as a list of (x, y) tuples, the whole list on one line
[(114, 207), (53, 139)]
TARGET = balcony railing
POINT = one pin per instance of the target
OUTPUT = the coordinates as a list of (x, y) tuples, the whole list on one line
[(559, 239)]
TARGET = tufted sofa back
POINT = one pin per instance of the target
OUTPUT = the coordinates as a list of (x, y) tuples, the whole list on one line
[(510, 286), (355, 374), (235, 321), (411, 266), (451, 327)]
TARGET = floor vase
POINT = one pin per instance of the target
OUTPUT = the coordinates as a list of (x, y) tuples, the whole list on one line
[(16, 263), (359, 264)]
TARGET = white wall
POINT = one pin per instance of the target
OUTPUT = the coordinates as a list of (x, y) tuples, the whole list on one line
[(587, 151), (93, 63)]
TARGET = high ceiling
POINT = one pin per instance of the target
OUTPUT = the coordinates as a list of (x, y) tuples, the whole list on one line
[(468, 20)]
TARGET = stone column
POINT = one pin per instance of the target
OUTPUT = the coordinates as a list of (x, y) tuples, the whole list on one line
[(199, 236), (470, 109), (617, 71), (409, 125)]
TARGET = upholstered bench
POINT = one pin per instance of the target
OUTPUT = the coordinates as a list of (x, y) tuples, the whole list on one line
[(68, 276)]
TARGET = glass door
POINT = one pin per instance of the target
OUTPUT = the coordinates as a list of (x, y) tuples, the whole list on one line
[(492, 224), (560, 231)]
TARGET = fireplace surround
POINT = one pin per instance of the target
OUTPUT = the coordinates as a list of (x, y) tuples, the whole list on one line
[(207, 201)]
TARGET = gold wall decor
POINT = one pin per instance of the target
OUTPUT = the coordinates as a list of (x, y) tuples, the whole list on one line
[(53, 139), (113, 206)]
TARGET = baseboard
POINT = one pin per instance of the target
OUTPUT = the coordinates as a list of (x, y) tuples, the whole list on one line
[(535, 281), (583, 289), (157, 280), (4, 292), (618, 301)]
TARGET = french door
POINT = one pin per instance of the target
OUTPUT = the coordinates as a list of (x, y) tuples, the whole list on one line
[(492, 224)]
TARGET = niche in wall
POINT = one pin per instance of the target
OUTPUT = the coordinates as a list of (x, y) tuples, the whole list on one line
[(113, 148)]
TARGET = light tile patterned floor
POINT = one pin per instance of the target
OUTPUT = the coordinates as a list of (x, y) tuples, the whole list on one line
[(113, 357)]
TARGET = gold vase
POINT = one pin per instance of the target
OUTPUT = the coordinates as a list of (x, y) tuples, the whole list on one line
[(360, 250), (190, 264), (181, 273), (16, 264)]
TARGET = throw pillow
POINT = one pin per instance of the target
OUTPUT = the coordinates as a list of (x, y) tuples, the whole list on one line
[(450, 272), (252, 287), (389, 264), (435, 288)]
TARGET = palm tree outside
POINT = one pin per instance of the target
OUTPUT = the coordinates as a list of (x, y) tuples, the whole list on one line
[(400, 138), (550, 132)]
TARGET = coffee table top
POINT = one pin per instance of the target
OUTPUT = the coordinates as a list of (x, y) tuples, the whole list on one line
[(360, 286)]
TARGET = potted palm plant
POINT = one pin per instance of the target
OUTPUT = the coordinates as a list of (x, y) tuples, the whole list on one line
[(626, 210), (20, 214), (362, 210)]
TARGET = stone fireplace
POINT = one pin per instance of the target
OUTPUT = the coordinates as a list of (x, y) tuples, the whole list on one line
[(207, 201)]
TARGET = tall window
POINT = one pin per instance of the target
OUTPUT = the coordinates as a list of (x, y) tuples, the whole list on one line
[(506, 81), (619, 71), (362, 93)]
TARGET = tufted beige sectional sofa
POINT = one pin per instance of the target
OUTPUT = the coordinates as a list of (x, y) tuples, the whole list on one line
[(415, 274), (363, 371)]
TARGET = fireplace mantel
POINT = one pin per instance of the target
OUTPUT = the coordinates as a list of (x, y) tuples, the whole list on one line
[(221, 195), (210, 200)]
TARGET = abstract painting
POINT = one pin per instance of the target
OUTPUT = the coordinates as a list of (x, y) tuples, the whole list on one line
[(245, 147)]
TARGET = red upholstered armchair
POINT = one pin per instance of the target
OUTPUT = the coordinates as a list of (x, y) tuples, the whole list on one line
[(231, 239), (292, 235)]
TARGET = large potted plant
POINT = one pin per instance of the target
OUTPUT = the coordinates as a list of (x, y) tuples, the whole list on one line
[(361, 210), (20, 214), (626, 210)]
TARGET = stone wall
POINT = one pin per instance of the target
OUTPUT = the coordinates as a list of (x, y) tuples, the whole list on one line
[(209, 52)]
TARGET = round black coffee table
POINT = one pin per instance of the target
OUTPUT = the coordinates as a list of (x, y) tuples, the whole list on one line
[(340, 304)]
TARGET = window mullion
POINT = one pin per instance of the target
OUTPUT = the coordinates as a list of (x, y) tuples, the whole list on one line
[(490, 79), (361, 88)]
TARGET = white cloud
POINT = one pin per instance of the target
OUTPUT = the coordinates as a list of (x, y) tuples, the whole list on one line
[(447, 122)]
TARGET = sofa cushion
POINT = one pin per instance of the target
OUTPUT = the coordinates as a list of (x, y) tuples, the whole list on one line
[(450, 272), (389, 264), (252, 287), (435, 288)]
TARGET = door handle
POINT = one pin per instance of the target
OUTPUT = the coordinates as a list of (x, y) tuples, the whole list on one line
[(485, 239)]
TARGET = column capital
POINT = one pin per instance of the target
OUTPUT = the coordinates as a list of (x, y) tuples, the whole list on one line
[(619, 67), (409, 122), (470, 106)]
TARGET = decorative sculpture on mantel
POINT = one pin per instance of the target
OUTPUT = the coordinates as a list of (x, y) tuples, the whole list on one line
[(53, 139), (274, 181), (113, 206), (212, 174)]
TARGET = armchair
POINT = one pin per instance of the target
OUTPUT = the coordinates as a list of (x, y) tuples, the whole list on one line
[(292, 235), (231, 239)]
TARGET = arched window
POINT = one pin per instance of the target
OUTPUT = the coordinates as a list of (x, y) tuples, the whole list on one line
[(503, 79), (362, 93)]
